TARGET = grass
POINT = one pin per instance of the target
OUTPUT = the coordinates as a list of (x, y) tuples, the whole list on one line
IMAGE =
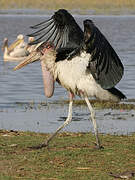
[(104, 6), (69, 156), (97, 104)]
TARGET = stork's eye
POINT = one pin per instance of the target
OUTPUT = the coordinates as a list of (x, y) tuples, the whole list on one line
[(48, 47)]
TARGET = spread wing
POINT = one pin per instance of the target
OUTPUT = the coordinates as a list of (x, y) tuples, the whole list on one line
[(104, 64), (61, 29)]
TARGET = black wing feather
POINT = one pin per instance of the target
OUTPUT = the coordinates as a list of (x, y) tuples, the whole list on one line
[(40, 31), (37, 26), (67, 34), (104, 64)]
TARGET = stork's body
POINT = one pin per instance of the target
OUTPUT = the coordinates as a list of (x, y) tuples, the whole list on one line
[(73, 76), (83, 63)]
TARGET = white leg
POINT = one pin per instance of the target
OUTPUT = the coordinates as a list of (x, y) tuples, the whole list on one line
[(93, 120), (68, 120)]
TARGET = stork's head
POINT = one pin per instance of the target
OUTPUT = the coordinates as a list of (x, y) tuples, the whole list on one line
[(45, 47), (43, 52)]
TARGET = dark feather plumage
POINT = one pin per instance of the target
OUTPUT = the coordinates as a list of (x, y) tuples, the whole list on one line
[(117, 93), (69, 40), (105, 64), (61, 29)]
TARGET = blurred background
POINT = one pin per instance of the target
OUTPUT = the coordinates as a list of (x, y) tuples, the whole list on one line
[(82, 7)]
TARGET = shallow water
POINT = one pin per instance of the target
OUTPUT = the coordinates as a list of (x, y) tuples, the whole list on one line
[(21, 88)]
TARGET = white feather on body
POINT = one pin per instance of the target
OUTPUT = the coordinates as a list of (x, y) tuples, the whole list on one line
[(73, 75)]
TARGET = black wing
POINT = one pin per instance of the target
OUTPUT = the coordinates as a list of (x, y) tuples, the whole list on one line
[(104, 64), (61, 29)]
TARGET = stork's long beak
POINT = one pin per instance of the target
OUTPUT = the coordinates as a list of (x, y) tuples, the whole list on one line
[(34, 56)]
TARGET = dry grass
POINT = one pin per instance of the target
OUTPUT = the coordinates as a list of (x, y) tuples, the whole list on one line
[(104, 5)]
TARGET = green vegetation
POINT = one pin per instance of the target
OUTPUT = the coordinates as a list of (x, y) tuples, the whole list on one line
[(104, 6), (69, 156)]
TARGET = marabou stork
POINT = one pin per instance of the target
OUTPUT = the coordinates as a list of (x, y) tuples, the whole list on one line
[(82, 62)]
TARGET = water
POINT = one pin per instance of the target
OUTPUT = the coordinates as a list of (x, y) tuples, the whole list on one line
[(21, 89)]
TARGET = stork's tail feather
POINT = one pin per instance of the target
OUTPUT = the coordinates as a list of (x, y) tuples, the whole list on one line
[(117, 93)]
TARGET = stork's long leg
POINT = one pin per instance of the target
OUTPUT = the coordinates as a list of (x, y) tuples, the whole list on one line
[(68, 120), (94, 121)]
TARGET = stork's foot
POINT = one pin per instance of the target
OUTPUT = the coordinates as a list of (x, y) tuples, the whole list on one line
[(39, 146), (97, 146)]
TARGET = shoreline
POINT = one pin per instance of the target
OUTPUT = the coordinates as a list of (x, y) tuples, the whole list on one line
[(32, 11), (48, 13)]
